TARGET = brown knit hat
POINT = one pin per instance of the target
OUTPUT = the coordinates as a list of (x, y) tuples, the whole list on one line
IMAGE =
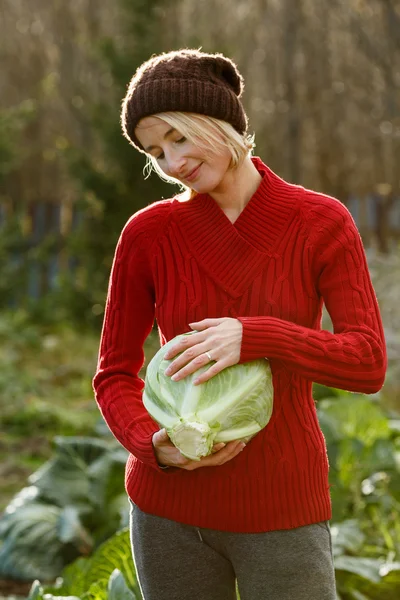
[(188, 81)]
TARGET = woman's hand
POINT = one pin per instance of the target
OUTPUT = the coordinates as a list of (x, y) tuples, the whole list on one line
[(168, 455), (220, 338)]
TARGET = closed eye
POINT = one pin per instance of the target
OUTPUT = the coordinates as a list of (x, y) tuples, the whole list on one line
[(162, 155)]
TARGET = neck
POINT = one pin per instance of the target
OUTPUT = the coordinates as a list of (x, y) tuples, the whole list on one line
[(237, 188)]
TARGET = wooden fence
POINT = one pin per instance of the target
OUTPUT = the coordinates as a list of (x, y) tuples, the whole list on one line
[(377, 218)]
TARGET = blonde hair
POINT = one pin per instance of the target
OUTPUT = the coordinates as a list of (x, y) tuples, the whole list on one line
[(208, 134)]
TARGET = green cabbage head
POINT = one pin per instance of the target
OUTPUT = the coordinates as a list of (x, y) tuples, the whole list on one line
[(235, 404)]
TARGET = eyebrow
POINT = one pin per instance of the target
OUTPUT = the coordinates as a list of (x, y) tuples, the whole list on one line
[(167, 134)]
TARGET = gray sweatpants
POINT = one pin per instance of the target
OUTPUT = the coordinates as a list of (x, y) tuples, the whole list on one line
[(181, 562)]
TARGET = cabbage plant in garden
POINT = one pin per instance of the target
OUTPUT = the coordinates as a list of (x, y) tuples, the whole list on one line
[(74, 502), (109, 574), (235, 404)]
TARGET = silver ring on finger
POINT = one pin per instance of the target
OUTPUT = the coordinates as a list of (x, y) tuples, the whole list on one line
[(208, 356)]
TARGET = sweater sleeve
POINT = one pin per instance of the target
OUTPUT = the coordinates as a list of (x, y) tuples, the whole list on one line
[(353, 357), (129, 318)]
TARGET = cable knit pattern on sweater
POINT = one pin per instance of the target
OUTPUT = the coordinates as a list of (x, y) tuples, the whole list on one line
[(289, 251)]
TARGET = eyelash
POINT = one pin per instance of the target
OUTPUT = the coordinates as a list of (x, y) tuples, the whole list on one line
[(180, 141)]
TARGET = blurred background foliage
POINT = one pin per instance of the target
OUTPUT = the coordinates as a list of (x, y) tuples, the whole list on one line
[(323, 97)]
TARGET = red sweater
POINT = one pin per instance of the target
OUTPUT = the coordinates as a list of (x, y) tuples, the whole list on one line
[(289, 250)]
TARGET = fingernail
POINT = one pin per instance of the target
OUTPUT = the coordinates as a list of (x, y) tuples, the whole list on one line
[(168, 370), (175, 377), (242, 446)]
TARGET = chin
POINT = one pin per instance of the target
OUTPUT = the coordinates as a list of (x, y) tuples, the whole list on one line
[(206, 187)]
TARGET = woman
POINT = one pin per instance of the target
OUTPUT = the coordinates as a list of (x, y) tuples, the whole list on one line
[(246, 260)]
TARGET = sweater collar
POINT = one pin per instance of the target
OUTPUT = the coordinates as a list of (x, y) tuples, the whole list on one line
[(233, 253)]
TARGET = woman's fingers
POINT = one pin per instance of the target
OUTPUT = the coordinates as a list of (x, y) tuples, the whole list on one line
[(221, 338), (205, 323), (188, 362), (168, 455), (186, 342), (195, 355), (218, 458), (231, 450), (218, 447), (161, 437)]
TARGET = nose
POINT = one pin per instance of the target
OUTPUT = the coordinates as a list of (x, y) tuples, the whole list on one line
[(175, 164)]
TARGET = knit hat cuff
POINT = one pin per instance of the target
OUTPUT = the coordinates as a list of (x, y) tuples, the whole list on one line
[(185, 95)]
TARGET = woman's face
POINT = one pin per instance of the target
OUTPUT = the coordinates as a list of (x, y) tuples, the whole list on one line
[(203, 172)]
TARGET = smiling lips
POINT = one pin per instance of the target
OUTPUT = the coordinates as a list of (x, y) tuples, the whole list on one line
[(193, 174)]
